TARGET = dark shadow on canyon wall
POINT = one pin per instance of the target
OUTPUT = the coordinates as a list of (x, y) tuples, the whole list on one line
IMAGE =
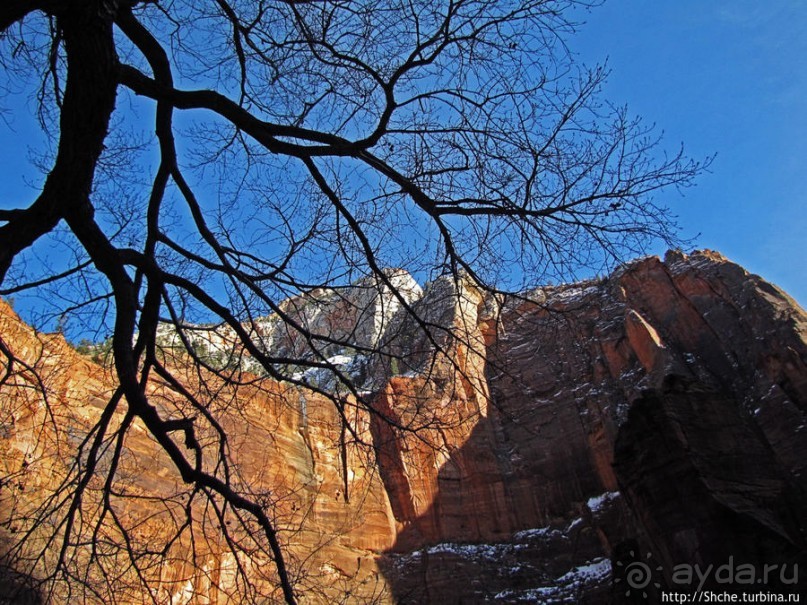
[(526, 512), (17, 588), (492, 537), (650, 422), (707, 487)]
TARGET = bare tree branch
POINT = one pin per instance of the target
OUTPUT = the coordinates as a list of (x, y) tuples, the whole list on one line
[(299, 152)]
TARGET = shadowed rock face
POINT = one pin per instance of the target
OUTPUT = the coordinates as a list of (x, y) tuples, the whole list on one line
[(658, 416), (658, 412)]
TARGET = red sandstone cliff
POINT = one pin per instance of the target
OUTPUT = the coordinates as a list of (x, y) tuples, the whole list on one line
[(660, 411)]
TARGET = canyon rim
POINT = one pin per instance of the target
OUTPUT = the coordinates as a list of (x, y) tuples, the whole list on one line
[(657, 416)]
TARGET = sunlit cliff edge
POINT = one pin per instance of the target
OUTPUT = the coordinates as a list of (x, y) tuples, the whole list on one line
[(656, 414)]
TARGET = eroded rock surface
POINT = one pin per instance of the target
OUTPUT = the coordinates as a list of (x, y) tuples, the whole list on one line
[(659, 414)]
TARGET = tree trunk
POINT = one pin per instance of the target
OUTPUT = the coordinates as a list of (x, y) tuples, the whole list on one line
[(89, 99)]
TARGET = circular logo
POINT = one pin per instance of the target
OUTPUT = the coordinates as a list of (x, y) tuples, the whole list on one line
[(638, 575)]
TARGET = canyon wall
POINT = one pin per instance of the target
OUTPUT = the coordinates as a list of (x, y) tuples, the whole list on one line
[(529, 449)]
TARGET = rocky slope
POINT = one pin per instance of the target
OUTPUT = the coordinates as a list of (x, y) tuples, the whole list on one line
[(558, 441)]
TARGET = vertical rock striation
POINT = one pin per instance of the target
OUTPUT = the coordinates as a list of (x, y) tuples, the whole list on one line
[(523, 450), (660, 411)]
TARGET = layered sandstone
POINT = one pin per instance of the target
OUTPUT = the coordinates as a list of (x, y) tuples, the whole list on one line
[(551, 439)]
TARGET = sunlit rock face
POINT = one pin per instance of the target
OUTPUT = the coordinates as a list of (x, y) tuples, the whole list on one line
[(654, 416), (660, 412)]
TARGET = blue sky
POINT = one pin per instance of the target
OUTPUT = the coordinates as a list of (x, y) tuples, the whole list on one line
[(726, 77), (722, 76)]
